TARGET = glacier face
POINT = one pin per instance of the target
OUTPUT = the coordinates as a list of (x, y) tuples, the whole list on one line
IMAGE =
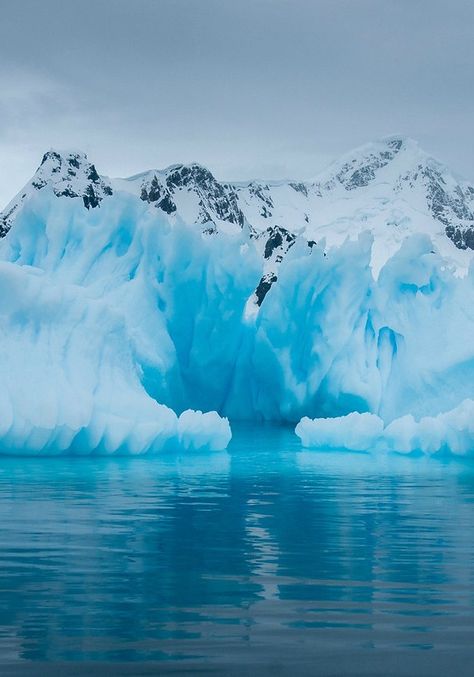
[(352, 292)]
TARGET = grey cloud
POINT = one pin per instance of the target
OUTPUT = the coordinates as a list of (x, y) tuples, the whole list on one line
[(250, 88)]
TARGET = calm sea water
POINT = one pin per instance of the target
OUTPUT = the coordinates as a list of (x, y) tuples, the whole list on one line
[(264, 560)]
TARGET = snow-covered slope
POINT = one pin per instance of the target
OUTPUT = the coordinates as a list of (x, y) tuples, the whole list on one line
[(390, 187), (271, 300)]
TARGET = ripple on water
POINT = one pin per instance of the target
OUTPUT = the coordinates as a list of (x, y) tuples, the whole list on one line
[(265, 555)]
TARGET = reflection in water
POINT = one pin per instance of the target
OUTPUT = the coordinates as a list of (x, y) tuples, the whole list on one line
[(260, 554)]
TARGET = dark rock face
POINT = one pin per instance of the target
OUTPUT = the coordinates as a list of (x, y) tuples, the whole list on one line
[(278, 239), (158, 194), (277, 243), (74, 162), (167, 205), (152, 192), (454, 209), (92, 197), (39, 184), (453, 206), (69, 175), (184, 176), (6, 221), (463, 239), (57, 160), (262, 193), (264, 287), (353, 177), (74, 177), (300, 188), (92, 175), (216, 201)]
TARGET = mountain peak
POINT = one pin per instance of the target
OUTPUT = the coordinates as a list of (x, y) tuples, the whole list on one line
[(58, 156), (192, 190), (68, 174), (359, 167), (364, 189)]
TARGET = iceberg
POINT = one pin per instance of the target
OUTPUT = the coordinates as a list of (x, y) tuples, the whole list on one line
[(450, 432), (198, 431), (142, 314), (356, 432)]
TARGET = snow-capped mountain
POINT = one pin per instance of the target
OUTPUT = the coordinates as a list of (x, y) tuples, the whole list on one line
[(391, 188), (258, 300), (373, 184), (67, 175)]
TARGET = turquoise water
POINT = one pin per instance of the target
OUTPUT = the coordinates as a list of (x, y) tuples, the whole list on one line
[(265, 559)]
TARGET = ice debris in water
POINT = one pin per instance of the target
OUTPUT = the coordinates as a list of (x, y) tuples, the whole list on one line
[(209, 430), (355, 431), (448, 432)]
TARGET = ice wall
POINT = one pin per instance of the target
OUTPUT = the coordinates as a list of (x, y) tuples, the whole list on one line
[(105, 313), (70, 377)]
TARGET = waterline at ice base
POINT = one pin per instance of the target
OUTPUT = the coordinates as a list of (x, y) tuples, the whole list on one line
[(130, 306), (451, 432)]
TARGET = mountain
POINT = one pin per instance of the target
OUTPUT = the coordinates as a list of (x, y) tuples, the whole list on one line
[(362, 187), (255, 300), (67, 175), (391, 188)]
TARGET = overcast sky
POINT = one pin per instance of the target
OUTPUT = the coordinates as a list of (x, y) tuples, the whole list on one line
[(250, 88)]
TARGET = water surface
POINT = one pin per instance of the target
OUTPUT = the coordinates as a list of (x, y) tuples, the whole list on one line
[(265, 559)]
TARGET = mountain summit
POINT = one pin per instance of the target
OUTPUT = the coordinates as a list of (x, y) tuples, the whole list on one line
[(389, 187)]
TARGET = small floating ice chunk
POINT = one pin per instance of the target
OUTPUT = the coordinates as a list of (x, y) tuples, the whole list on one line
[(449, 432), (203, 431), (358, 432)]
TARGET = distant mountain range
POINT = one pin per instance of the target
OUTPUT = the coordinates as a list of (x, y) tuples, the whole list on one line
[(391, 188)]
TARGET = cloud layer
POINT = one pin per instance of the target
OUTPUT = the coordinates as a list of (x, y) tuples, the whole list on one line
[(272, 88)]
